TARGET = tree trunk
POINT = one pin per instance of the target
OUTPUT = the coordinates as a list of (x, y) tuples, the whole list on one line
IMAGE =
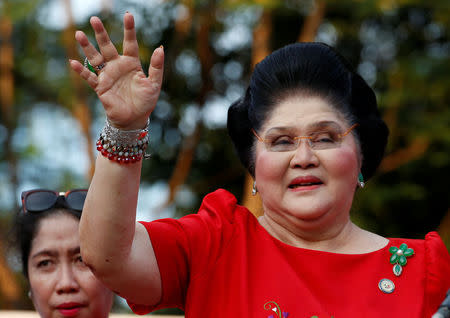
[(185, 157), (312, 22), (260, 49), (78, 103), (9, 287), (402, 156)]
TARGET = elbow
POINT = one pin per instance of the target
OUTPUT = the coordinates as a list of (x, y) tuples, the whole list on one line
[(91, 253), (90, 259), (100, 265), (98, 256)]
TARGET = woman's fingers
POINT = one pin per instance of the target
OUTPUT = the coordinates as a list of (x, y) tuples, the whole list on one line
[(130, 45), (105, 45), (94, 57), (85, 74)]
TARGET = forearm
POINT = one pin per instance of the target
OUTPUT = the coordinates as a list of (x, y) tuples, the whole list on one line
[(108, 221)]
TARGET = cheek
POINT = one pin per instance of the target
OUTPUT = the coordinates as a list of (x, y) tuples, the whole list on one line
[(41, 290), (343, 164), (87, 281), (93, 288), (269, 166)]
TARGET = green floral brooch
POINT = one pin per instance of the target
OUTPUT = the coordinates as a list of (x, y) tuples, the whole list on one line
[(398, 257)]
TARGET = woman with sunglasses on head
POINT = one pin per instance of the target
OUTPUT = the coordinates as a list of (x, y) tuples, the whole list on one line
[(61, 285), (309, 132)]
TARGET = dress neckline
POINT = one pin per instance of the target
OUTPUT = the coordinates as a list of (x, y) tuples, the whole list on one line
[(312, 252)]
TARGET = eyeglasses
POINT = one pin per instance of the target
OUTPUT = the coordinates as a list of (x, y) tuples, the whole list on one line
[(283, 141), (40, 200)]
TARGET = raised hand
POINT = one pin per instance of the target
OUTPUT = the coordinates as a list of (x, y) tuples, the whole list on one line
[(127, 94)]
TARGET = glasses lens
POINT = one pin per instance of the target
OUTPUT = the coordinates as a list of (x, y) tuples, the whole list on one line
[(75, 199), (325, 140), (283, 147), (280, 143), (40, 201)]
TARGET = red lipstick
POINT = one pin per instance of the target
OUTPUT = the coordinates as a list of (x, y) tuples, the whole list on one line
[(69, 309), (305, 183)]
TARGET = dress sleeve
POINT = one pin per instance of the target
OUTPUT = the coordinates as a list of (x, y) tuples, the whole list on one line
[(189, 246), (438, 272)]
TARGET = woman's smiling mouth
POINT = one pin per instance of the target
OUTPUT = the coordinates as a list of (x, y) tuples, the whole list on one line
[(305, 183)]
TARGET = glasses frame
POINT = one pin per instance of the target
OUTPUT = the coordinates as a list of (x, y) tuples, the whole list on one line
[(58, 194), (299, 138)]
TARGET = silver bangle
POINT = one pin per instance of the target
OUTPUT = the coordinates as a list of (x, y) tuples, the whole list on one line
[(123, 146), (130, 138)]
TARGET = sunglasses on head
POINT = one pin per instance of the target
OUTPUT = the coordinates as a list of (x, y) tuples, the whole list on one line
[(40, 200)]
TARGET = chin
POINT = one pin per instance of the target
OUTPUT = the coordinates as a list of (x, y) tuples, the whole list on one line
[(309, 211)]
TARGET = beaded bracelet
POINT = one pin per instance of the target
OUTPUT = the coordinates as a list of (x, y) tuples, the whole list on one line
[(123, 146)]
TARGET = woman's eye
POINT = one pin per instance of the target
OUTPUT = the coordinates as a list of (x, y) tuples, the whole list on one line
[(44, 263), (79, 260), (282, 141), (323, 138)]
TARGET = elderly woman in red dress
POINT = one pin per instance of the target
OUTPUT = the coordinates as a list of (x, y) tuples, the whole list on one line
[(309, 132)]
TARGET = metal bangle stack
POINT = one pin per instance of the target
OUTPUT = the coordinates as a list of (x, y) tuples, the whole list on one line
[(123, 146)]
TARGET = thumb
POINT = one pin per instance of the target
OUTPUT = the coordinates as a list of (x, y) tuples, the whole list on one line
[(156, 68)]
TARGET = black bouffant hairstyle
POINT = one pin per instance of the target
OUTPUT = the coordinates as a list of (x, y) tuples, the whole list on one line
[(312, 70), (26, 226)]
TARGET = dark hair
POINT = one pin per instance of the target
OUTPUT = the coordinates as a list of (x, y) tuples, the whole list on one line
[(26, 226), (310, 69)]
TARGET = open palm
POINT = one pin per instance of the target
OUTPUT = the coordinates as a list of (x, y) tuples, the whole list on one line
[(127, 94)]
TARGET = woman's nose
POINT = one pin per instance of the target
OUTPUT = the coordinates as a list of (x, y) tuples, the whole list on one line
[(304, 156), (67, 282)]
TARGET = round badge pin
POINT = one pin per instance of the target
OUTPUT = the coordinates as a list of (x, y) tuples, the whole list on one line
[(386, 286)]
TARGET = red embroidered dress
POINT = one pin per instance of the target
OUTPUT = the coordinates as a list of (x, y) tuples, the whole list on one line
[(221, 263)]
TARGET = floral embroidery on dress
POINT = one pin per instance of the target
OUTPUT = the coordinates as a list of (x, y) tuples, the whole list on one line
[(398, 257), (273, 306), (277, 313)]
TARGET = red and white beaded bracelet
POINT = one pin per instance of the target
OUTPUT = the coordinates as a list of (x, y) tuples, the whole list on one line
[(123, 146)]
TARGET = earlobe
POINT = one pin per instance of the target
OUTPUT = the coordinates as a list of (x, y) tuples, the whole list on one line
[(30, 296), (254, 189)]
